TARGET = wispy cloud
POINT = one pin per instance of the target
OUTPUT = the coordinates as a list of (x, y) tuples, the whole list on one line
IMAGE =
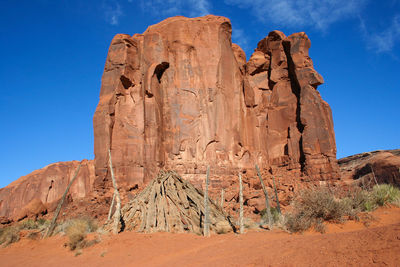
[(385, 40), (299, 13), (239, 37), (112, 12), (191, 8)]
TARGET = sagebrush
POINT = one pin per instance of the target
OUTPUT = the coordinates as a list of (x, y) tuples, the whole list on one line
[(77, 230), (312, 207)]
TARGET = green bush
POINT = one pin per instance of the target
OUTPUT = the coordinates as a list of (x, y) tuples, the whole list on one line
[(384, 194), (274, 214), (42, 221), (369, 200), (357, 201)]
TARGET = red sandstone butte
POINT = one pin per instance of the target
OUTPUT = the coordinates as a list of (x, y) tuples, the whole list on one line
[(182, 96)]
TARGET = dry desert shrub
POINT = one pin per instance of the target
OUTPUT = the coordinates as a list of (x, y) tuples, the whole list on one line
[(34, 235), (30, 224), (223, 227), (396, 202), (9, 235), (77, 230), (248, 223), (368, 200), (312, 207)]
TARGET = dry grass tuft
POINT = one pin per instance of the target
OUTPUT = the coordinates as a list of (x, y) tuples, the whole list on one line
[(77, 230), (34, 235), (223, 227), (9, 235)]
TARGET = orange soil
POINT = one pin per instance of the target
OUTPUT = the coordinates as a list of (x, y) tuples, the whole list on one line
[(349, 244)]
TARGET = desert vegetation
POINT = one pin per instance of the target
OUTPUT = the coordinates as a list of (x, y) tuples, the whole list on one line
[(11, 234), (312, 207), (75, 229)]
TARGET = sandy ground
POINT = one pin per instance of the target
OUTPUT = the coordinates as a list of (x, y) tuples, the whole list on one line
[(349, 244)]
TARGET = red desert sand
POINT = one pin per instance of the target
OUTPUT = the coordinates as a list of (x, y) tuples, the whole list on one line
[(349, 244)]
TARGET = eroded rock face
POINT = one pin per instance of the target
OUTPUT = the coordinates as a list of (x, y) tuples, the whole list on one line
[(31, 194), (181, 96), (296, 123), (367, 169)]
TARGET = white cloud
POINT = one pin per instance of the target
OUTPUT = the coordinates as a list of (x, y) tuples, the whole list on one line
[(385, 40), (191, 8), (299, 13), (112, 12), (239, 37)]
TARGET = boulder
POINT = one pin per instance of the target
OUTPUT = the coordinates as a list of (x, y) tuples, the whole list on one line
[(32, 210)]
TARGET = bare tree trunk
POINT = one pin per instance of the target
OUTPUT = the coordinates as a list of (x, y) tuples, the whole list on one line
[(111, 206), (267, 207), (373, 174), (117, 214), (222, 198), (53, 222), (206, 209), (241, 204), (278, 206)]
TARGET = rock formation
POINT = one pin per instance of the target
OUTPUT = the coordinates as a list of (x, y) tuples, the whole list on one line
[(181, 96), (364, 168), (28, 194)]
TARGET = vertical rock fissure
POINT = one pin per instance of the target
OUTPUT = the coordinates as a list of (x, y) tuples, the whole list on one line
[(159, 72), (48, 192), (296, 89)]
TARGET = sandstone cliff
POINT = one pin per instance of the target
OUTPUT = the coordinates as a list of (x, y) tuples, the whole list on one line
[(181, 96), (45, 186)]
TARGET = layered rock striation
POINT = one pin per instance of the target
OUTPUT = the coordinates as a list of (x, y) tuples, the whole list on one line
[(181, 96)]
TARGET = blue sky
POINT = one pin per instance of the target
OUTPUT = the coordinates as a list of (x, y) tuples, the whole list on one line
[(53, 53)]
